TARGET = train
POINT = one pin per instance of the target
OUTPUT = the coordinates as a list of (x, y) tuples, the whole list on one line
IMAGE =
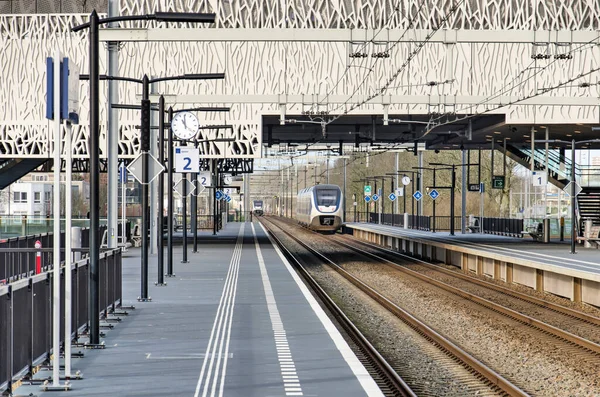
[(257, 208), (319, 208)]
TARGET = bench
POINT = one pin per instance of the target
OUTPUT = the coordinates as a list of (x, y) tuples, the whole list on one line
[(136, 236), (121, 242), (535, 231), (591, 236), (474, 227)]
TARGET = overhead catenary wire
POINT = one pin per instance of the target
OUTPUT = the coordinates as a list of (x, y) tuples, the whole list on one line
[(510, 85), (362, 48)]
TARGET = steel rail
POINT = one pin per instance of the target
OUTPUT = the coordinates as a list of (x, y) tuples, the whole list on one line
[(522, 318), (585, 317)]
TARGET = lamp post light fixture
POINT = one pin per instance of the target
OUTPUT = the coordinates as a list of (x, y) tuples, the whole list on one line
[(94, 143)]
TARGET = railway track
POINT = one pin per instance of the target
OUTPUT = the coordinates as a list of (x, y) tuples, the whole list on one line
[(384, 375), (576, 322), (479, 375), (574, 344)]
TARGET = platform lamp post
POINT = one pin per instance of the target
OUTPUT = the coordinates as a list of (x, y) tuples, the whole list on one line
[(94, 144), (432, 204), (451, 167), (573, 181), (145, 149)]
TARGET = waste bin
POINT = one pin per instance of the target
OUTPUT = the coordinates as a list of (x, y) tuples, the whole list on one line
[(546, 230), (587, 232)]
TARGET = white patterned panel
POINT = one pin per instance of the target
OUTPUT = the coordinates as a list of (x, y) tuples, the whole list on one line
[(393, 14), (268, 68)]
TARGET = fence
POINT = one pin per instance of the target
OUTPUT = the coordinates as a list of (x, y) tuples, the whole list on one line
[(503, 226), (18, 254), (498, 226), (26, 313)]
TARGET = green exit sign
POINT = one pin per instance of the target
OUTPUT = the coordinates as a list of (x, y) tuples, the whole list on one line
[(367, 190), (498, 182)]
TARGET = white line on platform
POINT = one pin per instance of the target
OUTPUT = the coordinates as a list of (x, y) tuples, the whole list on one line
[(365, 380), (221, 327), (284, 355)]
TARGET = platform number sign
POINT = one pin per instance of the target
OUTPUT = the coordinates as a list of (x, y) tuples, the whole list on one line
[(205, 178), (539, 178), (187, 160)]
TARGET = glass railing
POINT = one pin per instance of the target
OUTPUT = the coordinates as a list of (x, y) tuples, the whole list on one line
[(19, 225)]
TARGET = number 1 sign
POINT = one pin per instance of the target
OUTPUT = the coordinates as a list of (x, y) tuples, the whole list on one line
[(187, 160)]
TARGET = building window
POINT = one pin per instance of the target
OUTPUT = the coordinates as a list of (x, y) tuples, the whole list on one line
[(20, 197), (37, 197), (47, 197)]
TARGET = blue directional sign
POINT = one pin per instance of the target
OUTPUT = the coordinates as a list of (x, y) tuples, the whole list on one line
[(375, 197), (434, 194), (227, 198), (392, 197), (219, 195), (367, 198), (418, 195)]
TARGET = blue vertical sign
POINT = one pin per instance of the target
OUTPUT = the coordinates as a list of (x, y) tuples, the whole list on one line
[(64, 90)]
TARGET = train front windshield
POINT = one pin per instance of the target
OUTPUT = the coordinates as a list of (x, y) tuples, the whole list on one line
[(327, 197)]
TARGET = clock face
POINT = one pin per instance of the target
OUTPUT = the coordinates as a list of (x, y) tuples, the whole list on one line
[(405, 180), (185, 125)]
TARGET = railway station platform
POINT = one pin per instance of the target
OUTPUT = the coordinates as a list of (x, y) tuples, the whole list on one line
[(234, 321), (545, 267)]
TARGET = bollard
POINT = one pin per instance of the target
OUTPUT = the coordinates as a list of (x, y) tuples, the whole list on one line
[(38, 257), (406, 220)]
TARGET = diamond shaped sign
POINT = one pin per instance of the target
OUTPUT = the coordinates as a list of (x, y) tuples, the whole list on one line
[(155, 168), (392, 197), (184, 183), (199, 189), (219, 195), (418, 195), (434, 194), (567, 189), (228, 198), (367, 198), (375, 197)]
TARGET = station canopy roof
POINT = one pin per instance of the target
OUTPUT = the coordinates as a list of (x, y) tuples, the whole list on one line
[(405, 129)]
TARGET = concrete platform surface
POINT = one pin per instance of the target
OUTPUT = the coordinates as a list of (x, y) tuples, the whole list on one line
[(235, 321), (556, 253)]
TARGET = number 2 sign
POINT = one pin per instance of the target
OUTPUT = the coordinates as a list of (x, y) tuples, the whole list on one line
[(204, 177), (187, 160)]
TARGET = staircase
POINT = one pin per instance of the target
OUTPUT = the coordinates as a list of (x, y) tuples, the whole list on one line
[(12, 170), (559, 174), (588, 202), (559, 169)]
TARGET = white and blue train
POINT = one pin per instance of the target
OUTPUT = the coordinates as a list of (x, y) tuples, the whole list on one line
[(320, 207)]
